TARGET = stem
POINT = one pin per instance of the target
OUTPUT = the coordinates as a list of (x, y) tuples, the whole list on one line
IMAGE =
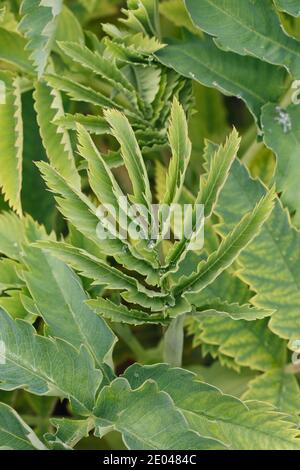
[(173, 342)]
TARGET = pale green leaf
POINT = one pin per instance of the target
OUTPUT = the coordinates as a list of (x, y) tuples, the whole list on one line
[(14, 432), (11, 140), (278, 388), (215, 415), (39, 23), (45, 366), (56, 140), (146, 418)]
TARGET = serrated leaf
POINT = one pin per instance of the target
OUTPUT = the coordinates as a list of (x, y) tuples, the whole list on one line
[(278, 388), (122, 314), (100, 66), (14, 432), (79, 92), (56, 140), (253, 29), (45, 366), (11, 140), (181, 151), (146, 418), (61, 301), (270, 263), (231, 74), (230, 248), (132, 156), (251, 344), (80, 211), (235, 311), (39, 23), (104, 274), (210, 413)]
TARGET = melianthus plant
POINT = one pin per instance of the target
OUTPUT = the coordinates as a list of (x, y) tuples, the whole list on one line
[(99, 119)]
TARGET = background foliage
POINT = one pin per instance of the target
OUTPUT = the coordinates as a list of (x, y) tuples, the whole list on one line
[(148, 345)]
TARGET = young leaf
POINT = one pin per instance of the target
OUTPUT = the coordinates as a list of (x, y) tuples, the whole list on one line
[(181, 152), (229, 249), (39, 23), (11, 140), (234, 311), (56, 140), (121, 314), (132, 156)]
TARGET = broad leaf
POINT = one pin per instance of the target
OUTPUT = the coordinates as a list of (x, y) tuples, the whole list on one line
[(14, 432), (252, 28)]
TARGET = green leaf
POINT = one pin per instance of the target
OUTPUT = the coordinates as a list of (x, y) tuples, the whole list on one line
[(69, 432), (234, 311), (60, 299), (80, 211), (56, 140), (146, 418), (270, 263), (93, 124), (39, 23), (12, 235), (104, 274), (230, 248), (79, 92), (13, 50), (181, 151), (14, 432), (251, 344), (9, 278), (122, 314), (282, 136), (231, 74), (253, 29), (11, 140), (218, 168), (132, 156), (45, 366), (291, 7), (210, 413), (278, 388), (175, 11), (100, 66)]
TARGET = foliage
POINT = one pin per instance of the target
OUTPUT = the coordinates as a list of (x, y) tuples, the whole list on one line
[(171, 102)]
